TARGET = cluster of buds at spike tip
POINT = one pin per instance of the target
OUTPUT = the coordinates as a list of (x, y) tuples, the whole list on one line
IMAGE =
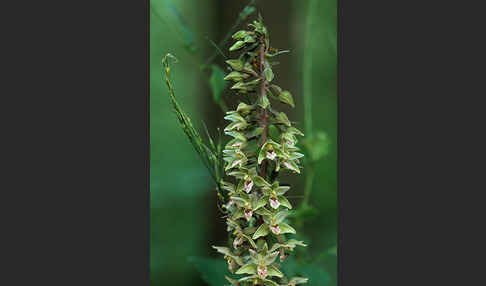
[(257, 206)]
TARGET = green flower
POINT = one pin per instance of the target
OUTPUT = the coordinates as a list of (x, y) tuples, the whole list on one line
[(274, 195)]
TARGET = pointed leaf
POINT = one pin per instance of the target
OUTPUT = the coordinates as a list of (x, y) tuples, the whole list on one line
[(249, 268), (285, 228), (270, 259), (273, 271), (284, 202), (261, 231), (260, 182)]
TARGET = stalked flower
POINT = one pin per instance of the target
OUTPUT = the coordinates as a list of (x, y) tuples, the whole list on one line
[(274, 203), (248, 214), (271, 155), (248, 184), (262, 271), (275, 229), (274, 195)]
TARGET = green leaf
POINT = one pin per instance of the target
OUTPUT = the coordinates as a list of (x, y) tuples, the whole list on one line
[(212, 270), (249, 268), (263, 230)]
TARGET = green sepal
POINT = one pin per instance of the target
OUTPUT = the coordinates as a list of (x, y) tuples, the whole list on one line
[(236, 64), (284, 202), (249, 268), (273, 271), (236, 46), (285, 228), (287, 98), (263, 230)]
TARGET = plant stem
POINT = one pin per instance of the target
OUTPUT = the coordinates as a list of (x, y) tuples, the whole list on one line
[(263, 170), (240, 19)]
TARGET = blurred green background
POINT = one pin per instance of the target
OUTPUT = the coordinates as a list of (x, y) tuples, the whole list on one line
[(184, 220)]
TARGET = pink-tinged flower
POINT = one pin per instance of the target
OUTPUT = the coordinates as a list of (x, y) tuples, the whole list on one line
[(236, 162), (274, 203), (237, 241), (248, 214), (290, 143), (275, 229), (287, 164), (248, 185), (237, 144), (228, 204), (271, 155), (282, 257), (262, 271)]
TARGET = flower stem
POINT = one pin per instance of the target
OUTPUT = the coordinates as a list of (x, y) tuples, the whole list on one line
[(264, 125)]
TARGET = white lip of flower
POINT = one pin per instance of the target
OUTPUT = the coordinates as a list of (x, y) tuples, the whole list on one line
[(237, 144), (287, 164), (271, 155), (274, 203), (262, 271), (248, 185), (248, 215), (275, 229)]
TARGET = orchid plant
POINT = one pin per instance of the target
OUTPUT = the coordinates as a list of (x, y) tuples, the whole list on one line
[(256, 208)]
